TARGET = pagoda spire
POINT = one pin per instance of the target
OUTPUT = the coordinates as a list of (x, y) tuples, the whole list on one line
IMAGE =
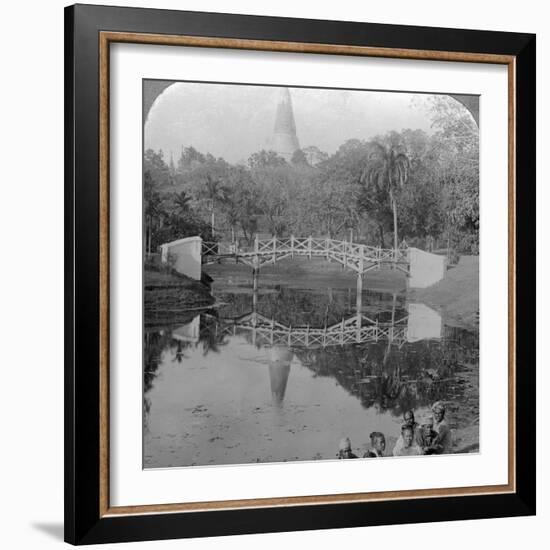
[(171, 166), (285, 141), (280, 358)]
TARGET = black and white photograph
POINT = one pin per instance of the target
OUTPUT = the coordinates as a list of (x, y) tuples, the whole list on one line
[(278, 275), (310, 274)]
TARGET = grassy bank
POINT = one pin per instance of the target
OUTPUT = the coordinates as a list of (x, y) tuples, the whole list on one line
[(171, 297)]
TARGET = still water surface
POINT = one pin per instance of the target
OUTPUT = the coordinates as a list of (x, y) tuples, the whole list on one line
[(256, 380)]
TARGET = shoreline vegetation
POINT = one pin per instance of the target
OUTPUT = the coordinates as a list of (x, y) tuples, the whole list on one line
[(171, 297)]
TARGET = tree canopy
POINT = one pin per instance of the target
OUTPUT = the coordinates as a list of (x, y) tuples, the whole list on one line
[(421, 187)]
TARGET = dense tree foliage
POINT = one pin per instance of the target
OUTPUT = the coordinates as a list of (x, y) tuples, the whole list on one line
[(385, 173), (409, 185)]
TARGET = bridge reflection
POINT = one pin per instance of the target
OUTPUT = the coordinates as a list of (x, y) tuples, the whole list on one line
[(415, 361), (282, 343), (420, 323)]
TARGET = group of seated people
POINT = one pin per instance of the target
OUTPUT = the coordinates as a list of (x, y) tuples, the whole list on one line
[(432, 436)]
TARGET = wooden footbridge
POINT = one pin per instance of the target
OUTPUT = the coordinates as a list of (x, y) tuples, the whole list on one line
[(357, 257), (358, 329)]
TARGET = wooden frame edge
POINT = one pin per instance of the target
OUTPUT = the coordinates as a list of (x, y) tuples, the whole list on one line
[(300, 47), (316, 500), (512, 402), (104, 272), (105, 39)]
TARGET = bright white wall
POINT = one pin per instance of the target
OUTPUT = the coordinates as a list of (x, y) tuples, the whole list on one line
[(31, 459)]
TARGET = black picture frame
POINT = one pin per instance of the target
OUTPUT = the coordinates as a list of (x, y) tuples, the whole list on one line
[(84, 522)]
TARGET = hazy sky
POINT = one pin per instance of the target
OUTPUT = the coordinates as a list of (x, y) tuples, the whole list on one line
[(234, 121)]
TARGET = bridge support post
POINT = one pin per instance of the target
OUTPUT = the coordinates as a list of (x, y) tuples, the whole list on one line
[(254, 320), (344, 265), (359, 305), (256, 261), (254, 291)]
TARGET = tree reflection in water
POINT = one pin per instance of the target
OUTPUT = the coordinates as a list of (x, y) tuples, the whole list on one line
[(387, 375), (411, 377)]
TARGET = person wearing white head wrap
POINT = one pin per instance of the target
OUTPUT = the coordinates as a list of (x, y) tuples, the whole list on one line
[(345, 449)]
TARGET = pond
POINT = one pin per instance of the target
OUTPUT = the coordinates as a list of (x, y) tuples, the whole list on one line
[(283, 372)]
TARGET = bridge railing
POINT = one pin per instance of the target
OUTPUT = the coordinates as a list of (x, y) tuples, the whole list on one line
[(259, 320), (311, 246), (218, 248), (322, 246), (356, 329)]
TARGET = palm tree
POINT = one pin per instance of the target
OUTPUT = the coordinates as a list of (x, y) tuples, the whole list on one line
[(181, 201), (387, 170), (215, 193)]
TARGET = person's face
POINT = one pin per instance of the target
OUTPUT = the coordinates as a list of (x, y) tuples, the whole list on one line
[(380, 444), (408, 418), (438, 415), (427, 430), (407, 438), (345, 450)]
